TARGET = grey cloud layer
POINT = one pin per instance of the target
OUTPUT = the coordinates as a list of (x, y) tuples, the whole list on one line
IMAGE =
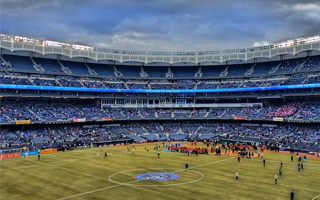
[(161, 24)]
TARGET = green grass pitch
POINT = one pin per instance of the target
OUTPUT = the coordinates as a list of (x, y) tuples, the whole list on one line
[(82, 175)]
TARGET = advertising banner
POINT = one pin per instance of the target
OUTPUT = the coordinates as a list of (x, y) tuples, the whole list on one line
[(239, 118), (278, 119), (30, 153), (10, 156), (79, 120), (107, 119), (48, 151), (22, 122)]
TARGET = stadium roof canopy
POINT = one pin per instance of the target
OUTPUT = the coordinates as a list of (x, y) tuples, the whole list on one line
[(46, 47)]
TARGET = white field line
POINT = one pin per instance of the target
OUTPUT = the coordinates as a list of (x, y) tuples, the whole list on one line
[(168, 185), (316, 197), (109, 187), (55, 163)]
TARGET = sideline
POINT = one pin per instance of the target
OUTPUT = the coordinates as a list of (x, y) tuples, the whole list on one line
[(58, 162)]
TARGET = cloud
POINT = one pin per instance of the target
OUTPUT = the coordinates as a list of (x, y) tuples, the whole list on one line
[(13, 6), (306, 11), (162, 24)]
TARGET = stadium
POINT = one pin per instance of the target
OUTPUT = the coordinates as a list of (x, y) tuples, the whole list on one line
[(80, 121)]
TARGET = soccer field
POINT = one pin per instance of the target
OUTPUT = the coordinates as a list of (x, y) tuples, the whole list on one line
[(82, 174)]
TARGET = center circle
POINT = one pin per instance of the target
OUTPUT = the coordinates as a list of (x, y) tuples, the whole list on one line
[(157, 176), (160, 175)]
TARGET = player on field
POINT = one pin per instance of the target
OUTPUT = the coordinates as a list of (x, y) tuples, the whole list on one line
[(105, 154), (187, 166), (280, 171), (237, 175), (299, 159), (158, 154), (276, 179), (292, 194), (264, 162)]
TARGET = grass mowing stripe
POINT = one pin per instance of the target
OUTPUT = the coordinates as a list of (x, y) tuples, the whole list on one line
[(105, 188), (90, 172)]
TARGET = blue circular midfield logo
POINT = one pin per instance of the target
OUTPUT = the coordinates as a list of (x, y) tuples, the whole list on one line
[(158, 176)]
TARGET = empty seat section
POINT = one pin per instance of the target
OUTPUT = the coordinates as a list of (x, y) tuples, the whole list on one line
[(156, 71), (102, 69), (238, 70), (264, 68), (184, 71), (49, 65), (77, 68), (20, 63), (129, 71), (212, 71)]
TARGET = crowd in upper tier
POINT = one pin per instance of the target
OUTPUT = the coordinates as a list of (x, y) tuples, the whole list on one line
[(156, 84), (25, 71), (10, 111), (286, 136), (18, 70)]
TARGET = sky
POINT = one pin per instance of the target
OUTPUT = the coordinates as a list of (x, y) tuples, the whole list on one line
[(164, 25)]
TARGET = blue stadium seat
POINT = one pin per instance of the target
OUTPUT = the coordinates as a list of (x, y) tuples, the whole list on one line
[(77, 68), (156, 71), (20, 63), (49, 65), (129, 71), (184, 71)]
